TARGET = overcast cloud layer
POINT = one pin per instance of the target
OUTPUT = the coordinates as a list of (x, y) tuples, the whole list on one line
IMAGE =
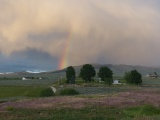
[(102, 31)]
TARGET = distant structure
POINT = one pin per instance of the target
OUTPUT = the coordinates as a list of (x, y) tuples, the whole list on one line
[(24, 78), (31, 78), (116, 82), (27, 78), (155, 75)]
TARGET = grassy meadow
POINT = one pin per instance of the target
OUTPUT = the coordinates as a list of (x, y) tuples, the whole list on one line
[(145, 112), (93, 103), (14, 92)]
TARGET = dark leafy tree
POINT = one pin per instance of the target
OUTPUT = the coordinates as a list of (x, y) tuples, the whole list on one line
[(105, 72), (136, 77), (133, 77), (70, 75), (106, 75), (87, 72)]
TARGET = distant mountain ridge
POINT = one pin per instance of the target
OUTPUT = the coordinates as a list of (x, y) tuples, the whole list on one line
[(118, 70)]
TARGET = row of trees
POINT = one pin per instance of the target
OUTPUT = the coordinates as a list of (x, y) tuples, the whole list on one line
[(87, 73)]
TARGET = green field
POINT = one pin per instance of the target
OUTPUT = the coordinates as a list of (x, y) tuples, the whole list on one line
[(45, 82), (9, 93), (31, 88), (18, 90), (145, 112)]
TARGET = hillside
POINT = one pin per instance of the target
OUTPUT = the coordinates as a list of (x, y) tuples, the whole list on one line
[(118, 70)]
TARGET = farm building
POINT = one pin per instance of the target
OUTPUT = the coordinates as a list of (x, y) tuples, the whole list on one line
[(26, 78), (116, 82), (152, 75), (31, 78)]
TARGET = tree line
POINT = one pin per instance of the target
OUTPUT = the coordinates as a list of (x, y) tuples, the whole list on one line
[(87, 72)]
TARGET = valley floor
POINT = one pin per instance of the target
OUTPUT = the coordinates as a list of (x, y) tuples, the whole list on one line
[(87, 106)]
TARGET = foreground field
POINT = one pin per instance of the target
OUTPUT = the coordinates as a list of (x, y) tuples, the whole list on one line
[(145, 112), (141, 104), (19, 100)]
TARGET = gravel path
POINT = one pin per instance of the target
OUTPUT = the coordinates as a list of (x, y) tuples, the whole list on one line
[(53, 89)]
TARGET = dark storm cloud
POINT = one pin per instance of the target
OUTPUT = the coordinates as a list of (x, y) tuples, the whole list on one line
[(114, 31), (36, 58), (30, 59)]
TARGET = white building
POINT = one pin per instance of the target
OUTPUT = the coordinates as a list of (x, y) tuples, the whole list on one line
[(24, 78), (116, 82)]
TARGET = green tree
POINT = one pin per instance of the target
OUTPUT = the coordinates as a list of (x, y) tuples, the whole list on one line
[(105, 72), (106, 75), (133, 77), (70, 75), (128, 78), (87, 72)]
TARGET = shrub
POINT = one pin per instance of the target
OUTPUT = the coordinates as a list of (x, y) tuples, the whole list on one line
[(108, 81), (67, 81), (47, 92), (10, 108), (68, 91)]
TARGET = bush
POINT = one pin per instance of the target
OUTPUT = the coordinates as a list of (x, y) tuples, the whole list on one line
[(67, 81), (46, 92), (10, 108), (68, 91), (108, 81)]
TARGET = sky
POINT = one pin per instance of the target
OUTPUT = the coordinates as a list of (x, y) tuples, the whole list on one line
[(54, 34)]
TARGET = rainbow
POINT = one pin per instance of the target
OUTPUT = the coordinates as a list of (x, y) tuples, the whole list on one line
[(64, 59)]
